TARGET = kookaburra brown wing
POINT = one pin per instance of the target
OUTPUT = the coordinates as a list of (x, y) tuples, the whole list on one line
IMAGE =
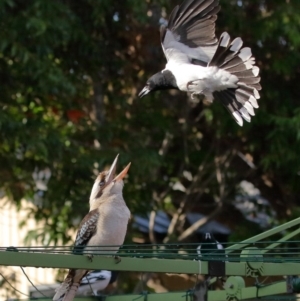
[(199, 63), (105, 224)]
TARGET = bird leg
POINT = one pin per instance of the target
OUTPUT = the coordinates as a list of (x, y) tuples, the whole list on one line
[(191, 87), (193, 94), (117, 259), (90, 257)]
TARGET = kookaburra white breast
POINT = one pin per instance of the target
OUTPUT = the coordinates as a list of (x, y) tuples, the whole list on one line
[(104, 225), (199, 63)]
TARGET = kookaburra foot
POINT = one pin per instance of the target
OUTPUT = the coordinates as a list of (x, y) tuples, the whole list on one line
[(90, 257), (117, 259)]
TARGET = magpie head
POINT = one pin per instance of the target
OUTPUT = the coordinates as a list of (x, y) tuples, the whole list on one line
[(160, 81), (152, 84), (207, 236)]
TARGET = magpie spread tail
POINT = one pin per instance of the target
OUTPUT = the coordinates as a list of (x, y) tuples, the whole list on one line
[(238, 61)]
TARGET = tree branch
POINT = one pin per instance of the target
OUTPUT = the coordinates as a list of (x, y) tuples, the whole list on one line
[(151, 227), (194, 227)]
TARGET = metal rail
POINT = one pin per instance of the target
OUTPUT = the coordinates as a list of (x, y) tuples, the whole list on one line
[(253, 257)]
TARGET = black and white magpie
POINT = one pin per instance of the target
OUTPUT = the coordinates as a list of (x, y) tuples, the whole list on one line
[(198, 63), (210, 247), (96, 281)]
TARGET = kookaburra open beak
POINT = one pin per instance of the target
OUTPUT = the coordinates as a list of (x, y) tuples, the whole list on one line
[(112, 171), (122, 174)]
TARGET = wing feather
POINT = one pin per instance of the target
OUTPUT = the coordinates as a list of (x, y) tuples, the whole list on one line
[(87, 229), (190, 33)]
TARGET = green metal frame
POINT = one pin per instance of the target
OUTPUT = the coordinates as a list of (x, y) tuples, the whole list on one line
[(246, 293), (249, 261)]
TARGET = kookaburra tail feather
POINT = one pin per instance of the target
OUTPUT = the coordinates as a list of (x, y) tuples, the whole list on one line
[(238, 61), (68, 289)]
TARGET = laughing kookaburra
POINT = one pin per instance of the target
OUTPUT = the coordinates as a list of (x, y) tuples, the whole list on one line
[(105, 224)]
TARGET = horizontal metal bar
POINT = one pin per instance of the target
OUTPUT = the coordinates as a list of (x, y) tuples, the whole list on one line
[(102, 262), (268, 290), (269, 269), (138, 264), (218, 295)]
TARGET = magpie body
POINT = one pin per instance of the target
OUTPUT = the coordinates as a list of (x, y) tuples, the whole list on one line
[(199, 63), (96, 281), (209, 247)]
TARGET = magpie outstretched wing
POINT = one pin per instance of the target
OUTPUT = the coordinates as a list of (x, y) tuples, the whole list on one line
[(190, 33)]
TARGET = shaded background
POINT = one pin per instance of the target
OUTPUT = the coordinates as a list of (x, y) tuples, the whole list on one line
[(70, 74)]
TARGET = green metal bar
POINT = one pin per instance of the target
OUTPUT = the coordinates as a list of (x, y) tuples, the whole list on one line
[(139, 264), (263, 235), (280, 269), (218, 295), (280, 241), (171, 296), (269, 269), (250, 292), (268, 290), (44, 260)]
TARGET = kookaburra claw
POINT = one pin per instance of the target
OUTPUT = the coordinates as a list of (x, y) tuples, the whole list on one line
[(117, 259)]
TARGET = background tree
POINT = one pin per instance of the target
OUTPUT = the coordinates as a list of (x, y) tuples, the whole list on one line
[(70, 73)]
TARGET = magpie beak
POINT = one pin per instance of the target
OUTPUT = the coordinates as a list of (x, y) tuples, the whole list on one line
[(144, 92)]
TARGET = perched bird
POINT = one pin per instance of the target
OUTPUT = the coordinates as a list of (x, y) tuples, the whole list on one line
[(96, 281), (199, 63), (105, 224), (210, 247)]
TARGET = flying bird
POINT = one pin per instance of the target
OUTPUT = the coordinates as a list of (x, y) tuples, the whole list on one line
[(96, 281), (105, 224), (199, 63)]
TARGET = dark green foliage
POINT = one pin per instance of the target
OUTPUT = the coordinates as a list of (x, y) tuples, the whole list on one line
[(70, 72)]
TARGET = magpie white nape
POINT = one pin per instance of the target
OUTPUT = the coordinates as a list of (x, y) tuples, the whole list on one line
[(96, 281), (200, 64)]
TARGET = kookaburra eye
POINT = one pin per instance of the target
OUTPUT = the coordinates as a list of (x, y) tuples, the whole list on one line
[(101, 183)]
